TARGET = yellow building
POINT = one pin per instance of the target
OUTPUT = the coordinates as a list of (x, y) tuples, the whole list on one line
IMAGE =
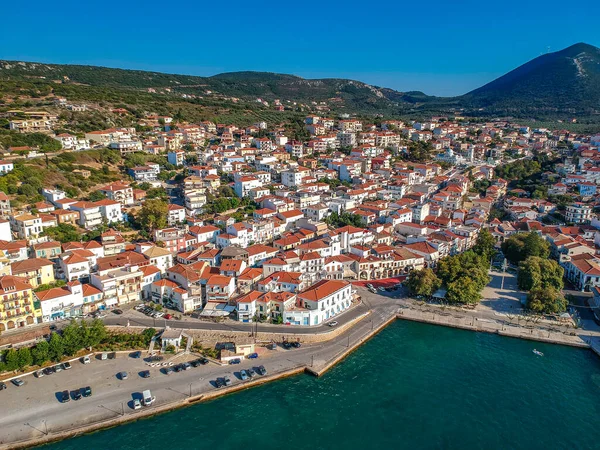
[(17, 306), (37, 271)]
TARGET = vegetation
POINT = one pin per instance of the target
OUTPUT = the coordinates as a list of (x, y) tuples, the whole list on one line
[(536, 272), (546, 300), (464, 275), (485, 246), (423, 282), (340, 220), (521, 246), (153, 215)]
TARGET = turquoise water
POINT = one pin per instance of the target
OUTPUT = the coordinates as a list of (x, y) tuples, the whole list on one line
[(413, 386)]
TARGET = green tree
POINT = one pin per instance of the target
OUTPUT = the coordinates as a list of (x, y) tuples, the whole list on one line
[(546, 301), (97, 333), (64, 232), (485, 245), (71, 339), (521, 246), (536, 272), (24, 357), (463, 290), (40, 353), (56, 349), (153, 215), (11, 359), (423, 282)]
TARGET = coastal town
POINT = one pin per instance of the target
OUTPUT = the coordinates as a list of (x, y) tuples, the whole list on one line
[(171, 226)]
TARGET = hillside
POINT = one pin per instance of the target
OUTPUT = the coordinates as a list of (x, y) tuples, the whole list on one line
[(567, 80), (562, 83), (354, 96)]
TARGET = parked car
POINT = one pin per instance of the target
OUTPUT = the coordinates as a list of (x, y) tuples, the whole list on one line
[(158, 315), (65, 397), (296, 344), (169, 370), (286, 345), (235, 361), (145, 374), (39, 373), (261, 370), (243, 375), (253, 355), (370, 286), (332, 324), (48, 371), (87, 391), (168, 316), (58, 368), (227, 381), (104, 356), (112, 355), (177, 368), (203, 361), (66, 365), (186, 366), (381, 289), (76, 395), (86, 360), (2, 386), (251, 372), (122, 375), (118, 311), (136, 403), (137, 354), (219, 383)]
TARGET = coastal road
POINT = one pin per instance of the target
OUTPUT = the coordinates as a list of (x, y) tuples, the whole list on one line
[(29, 410)]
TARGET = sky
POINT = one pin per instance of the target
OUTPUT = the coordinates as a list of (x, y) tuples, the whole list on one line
[(439, 47)]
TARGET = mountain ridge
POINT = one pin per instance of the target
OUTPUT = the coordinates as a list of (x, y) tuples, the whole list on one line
[(566, 81)]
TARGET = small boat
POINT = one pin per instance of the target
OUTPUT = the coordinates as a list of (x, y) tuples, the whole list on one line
[(537, 352)]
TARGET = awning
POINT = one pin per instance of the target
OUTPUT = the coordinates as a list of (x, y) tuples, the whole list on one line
[(111, 302), (214, 309)]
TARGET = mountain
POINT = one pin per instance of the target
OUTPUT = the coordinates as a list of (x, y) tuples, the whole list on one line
[(559, 83), (567, 80), (343, 94)]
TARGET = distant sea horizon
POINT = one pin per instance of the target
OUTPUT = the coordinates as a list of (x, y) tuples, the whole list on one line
[(412, 386)]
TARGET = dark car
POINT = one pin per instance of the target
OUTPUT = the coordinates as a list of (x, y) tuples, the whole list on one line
[(137, 354), (203, 361), (76, 395), (2, 386), (64, 396), (66, 365), (177, 368), (87, 391), (296, 344), (17, 382), (227, 381), (118, 311), (169, 370), (235, 361), (261, 370), (251, 372), (195, 363), (287, 345), (145, 374), (48, 371), (219, 382)]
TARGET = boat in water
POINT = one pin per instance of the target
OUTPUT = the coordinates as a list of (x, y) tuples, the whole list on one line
[(537, 352)]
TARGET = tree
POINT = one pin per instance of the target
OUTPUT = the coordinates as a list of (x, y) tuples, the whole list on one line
[(56, 349), (24, 357), (64, 232), (11, 359), (485, 245), (40, 353), (536, 272), (452, 268), (71, 339), (546, 301), (423, 282), (97, 333), (463, 290), (521, 246), (153, 215)]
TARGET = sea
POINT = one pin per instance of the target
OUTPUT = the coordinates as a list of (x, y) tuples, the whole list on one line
[(413, 386)]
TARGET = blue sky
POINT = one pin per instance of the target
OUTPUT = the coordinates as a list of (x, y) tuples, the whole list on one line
[(438, 47)]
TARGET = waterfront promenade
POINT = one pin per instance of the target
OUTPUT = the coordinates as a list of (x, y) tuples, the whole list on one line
[(34, 415)]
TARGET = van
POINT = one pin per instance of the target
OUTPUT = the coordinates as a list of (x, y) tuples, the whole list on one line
[(147, 398)]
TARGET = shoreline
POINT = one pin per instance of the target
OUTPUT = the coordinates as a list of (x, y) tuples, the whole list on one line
[(307, 369)]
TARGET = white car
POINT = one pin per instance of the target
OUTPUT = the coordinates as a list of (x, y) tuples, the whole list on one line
[(86, 360), (137, 404), (332, 324)]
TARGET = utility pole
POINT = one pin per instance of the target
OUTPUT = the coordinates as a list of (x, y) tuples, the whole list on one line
[(45, 427), (122, 409), (190, 390)]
